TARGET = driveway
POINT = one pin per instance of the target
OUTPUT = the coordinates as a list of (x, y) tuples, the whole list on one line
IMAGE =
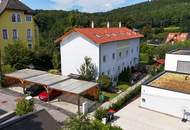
[(132, 117), (8, 103)]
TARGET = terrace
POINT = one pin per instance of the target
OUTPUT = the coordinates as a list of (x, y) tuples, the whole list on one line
[(178, 82)]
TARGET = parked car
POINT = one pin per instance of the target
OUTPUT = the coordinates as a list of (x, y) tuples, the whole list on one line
[(34, 90), (52, 94)]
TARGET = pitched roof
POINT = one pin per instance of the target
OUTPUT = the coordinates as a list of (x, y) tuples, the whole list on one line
[(177, 37), (14, 5), (104, 35), (40, 120)]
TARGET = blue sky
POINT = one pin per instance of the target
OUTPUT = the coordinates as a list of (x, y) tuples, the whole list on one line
[(82, 5)]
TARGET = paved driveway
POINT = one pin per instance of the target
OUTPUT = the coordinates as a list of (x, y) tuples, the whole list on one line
[(8, 103), (132, 117)]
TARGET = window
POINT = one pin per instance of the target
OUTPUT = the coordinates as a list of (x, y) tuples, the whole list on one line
[(108, 72), (104, 58), (13, 17), (119, 68), (18, 18), (132, 50), (120, 54), (28, 18), (15, 34), (5, 34), (137, 48), (113, 56), (29, 34), (127, 52)]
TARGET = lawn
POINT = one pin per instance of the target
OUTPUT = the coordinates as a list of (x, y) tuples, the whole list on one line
[(123, 86)]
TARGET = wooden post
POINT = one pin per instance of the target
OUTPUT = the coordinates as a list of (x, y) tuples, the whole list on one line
[(79, 104)]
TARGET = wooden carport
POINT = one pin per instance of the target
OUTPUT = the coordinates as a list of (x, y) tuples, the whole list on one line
[(56, 82)]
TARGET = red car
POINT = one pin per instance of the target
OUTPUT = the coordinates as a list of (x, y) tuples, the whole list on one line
[(52, 94)]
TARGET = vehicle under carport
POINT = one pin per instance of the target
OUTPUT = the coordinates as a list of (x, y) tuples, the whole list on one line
[(76, 88)]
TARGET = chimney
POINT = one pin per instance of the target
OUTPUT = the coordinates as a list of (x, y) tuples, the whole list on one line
[(92, 24), (108, 24), (120, 25)]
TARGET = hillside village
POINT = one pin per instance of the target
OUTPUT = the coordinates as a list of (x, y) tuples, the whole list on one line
[(68, 70)]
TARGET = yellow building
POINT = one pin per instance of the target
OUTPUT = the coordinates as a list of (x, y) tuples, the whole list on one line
[(17, 24)]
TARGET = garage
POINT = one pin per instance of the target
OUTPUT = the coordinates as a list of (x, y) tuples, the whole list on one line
[(183, 66), (72, 90)]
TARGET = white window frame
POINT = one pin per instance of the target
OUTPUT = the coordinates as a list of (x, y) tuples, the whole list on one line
[(27, 17), (17, 36), (3, 33), (29, 38)]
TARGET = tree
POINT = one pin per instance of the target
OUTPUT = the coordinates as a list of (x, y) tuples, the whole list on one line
[(84, 123), (88, 70), (104, 81), (24, 106), (56, 60), (18, 56), (125, 75)]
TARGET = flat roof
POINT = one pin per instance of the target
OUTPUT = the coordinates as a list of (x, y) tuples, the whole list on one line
[(173, 81), (74, 86), (58, 82), (181, 52), (26, 73), (47, 79)]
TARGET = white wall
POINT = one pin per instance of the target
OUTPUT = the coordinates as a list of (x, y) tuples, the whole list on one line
[(125, 60), (73, 50), (164, 101), (172, 59)]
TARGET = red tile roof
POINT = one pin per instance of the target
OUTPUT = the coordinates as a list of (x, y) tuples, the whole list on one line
[(104, 35), (177, 37)]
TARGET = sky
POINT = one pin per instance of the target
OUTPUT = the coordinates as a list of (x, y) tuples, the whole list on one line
[(81, 5)]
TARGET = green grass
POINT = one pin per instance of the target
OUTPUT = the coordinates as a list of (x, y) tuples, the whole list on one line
[(109, 95), (123, 86)]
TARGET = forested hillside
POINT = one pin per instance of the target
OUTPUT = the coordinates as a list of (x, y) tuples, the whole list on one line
[(150, 17)]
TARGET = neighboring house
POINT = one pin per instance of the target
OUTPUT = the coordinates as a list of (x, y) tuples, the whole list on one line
[(17, 24), (40, 120), (178, 61), (111, 49), (177, 37), (169, 91)]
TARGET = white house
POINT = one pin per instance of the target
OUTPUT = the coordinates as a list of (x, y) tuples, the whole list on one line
[(111, 49), (169, 92), (178, 60)]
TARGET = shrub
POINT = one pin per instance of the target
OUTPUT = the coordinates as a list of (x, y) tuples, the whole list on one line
[(7, 69), (24, 106), (125, 75), (104, 81), (100, 113)]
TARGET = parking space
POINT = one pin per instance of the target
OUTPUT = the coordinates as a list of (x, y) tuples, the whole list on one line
[(8, 103), (70, 107), (133, 117)]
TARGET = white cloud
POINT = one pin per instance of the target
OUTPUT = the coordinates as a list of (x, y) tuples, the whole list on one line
[(87, 5)]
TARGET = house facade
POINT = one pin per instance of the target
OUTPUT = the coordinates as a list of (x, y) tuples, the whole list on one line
[(17, 24), (111, 49)]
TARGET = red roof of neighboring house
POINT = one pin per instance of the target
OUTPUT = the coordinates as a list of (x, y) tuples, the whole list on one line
[(177, 37), (161, 61), (104, 35)]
